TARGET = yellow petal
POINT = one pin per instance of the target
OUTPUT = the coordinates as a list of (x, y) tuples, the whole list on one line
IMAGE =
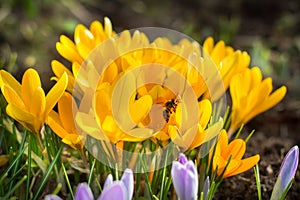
[(55, 124), (75, 68), (30, 83), (140, 108), (8, 79), (208, 44), (23, 117), (96, 29), (59, 69), (207, 135), (87, 123), (107, 26), (55, 93), (82, 34), (12, 97), (245, 165), (137, 134), (205, 109), (74, 140), (222, 141), (259, 94), (271, 101), (256, 76), (38, 103), (67, 49), (102, 103), (236, 148), (231, 168), (66, 110), (175, 137), (218, 52)]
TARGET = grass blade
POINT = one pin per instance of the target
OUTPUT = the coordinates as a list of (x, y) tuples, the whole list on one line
[(28, 168), (48, 172), (257, 178)]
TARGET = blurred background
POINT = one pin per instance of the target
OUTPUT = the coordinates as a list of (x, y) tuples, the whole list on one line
[(268, 30)]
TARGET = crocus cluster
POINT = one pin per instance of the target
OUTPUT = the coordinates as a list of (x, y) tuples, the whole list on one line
[(112, 190), (107, 97)]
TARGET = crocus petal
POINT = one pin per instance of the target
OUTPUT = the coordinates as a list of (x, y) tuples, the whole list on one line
[(83, 192), (67, 49), (182, 159), (178, 176), (19, 114), (117, 191), (52, 197), (55, 93), (30, 82), (191, 181), (8, 79), (38, 103), (127, 179), (236, 148), (55, 124), (12, 96), (108, 181), (140, 108), (245, 165), (206, 188), (66, 109), (289, 165), (287, 172), (59, 69), (185, 178)]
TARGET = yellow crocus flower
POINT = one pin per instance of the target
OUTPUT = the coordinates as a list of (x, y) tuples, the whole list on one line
[(63, 124), (138, 111), (85, 40), (251, 96), (27, 103), (228, 61), (198, 134), (236, 149)]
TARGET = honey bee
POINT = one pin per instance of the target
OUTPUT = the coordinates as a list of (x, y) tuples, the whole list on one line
[(170, 107)]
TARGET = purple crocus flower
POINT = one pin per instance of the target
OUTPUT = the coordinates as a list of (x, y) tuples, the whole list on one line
[(206, 188), (287, 172), (52, 197), (118, 190), (83, 192), (185, 178)]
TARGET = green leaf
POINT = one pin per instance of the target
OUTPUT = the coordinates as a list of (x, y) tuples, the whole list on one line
[(48, 172)]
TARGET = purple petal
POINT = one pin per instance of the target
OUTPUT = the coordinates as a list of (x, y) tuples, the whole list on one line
[(127, 179), (52, 197), (191, 182), (116, 191), (83, 192), (206, 188), (182, 159), (287, 172), (190, 166), (289, 166), (108, 181), (178, 173)]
